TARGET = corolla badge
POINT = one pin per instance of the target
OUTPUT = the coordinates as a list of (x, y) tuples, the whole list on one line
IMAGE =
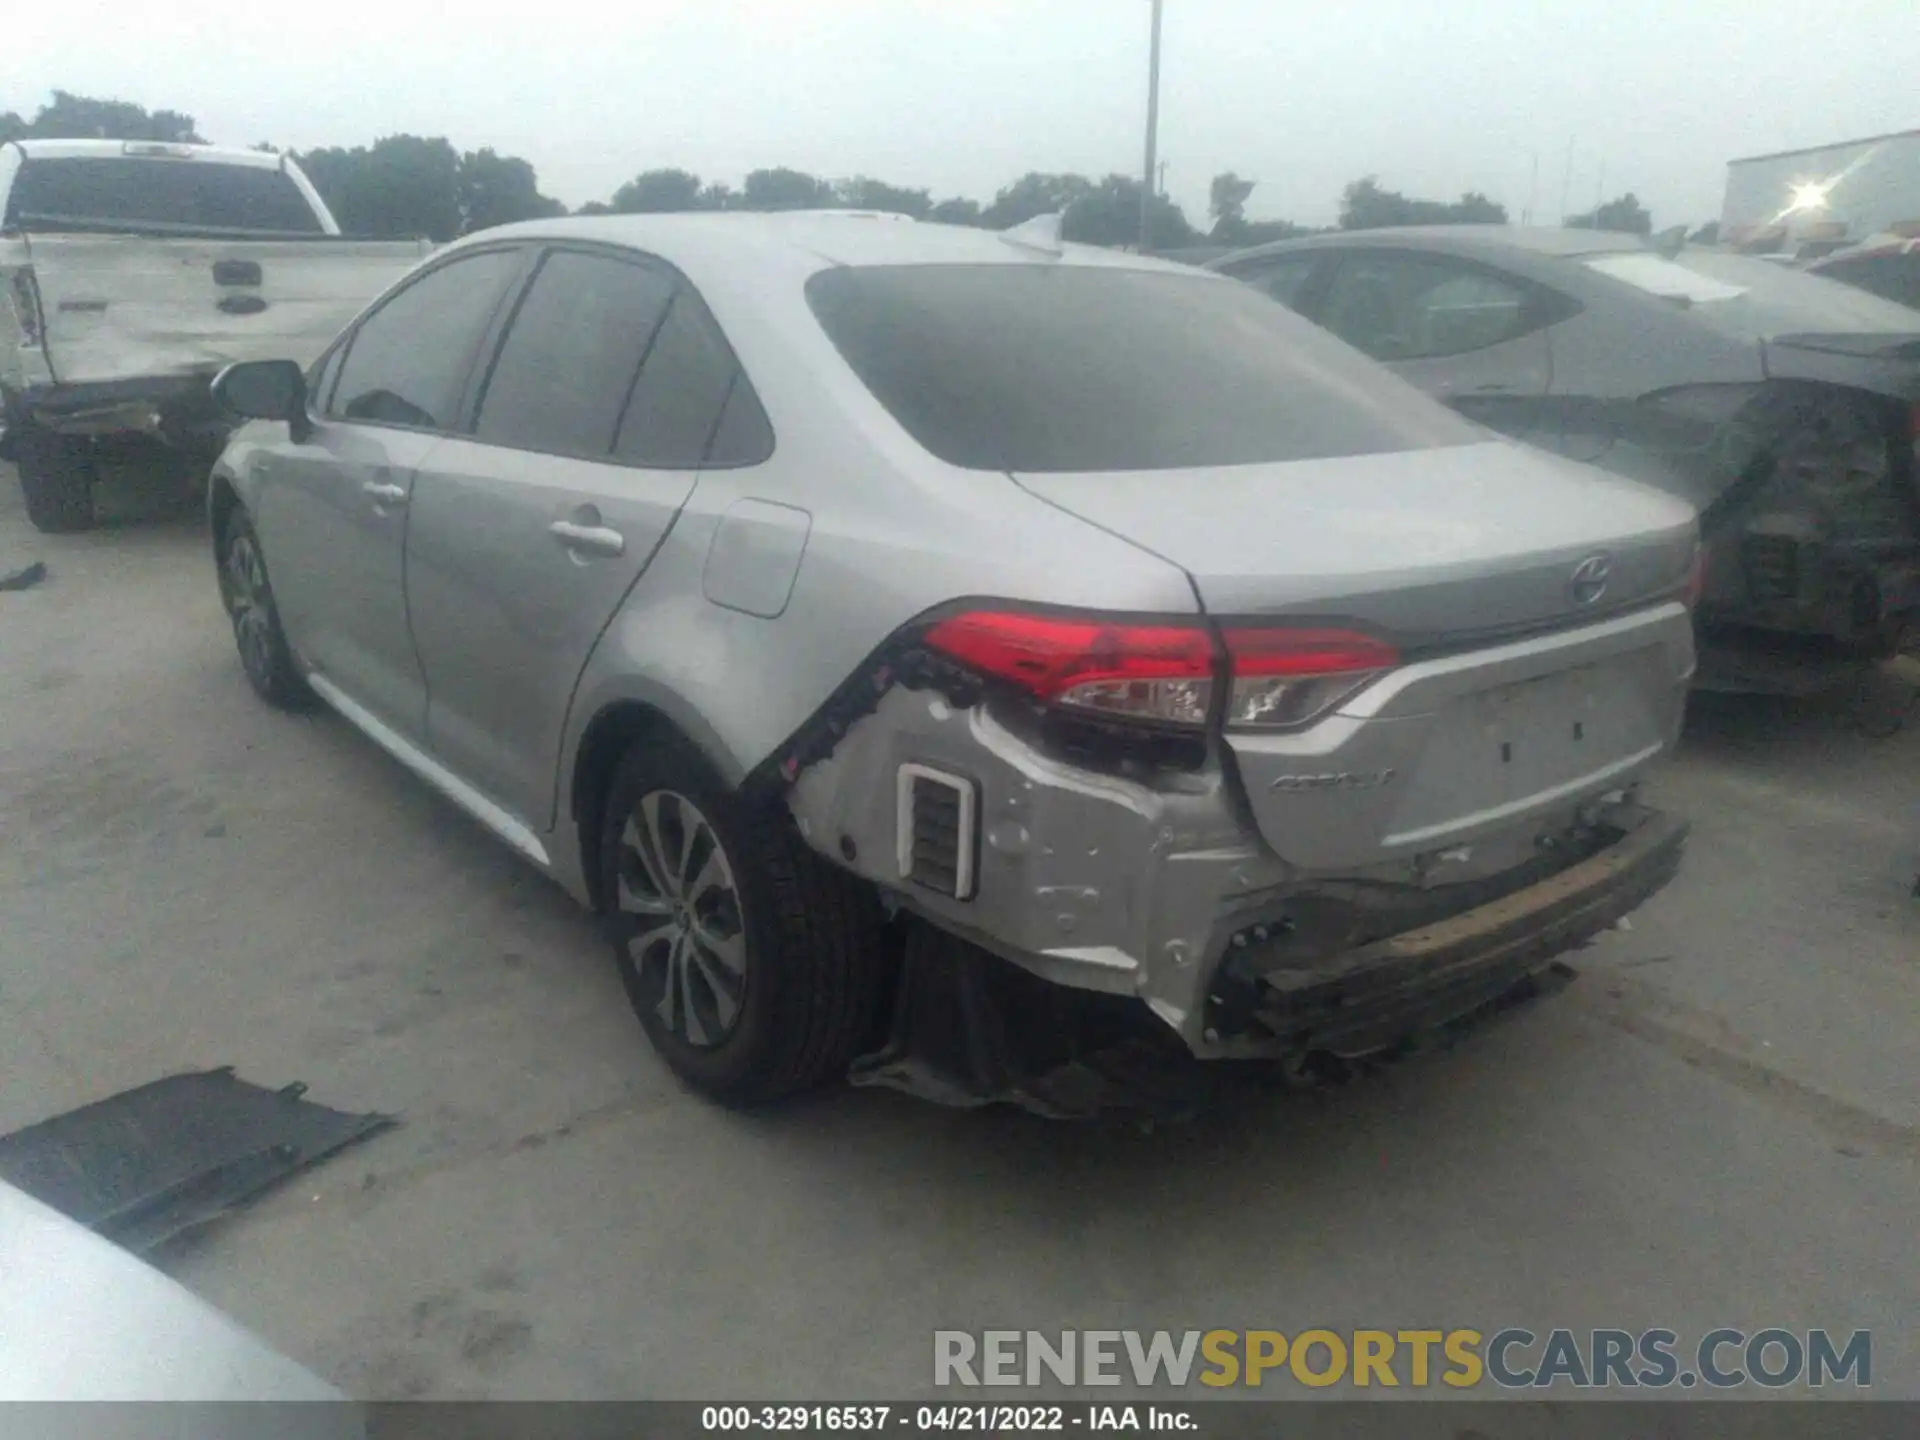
[(1589, 580), (1340, 780)]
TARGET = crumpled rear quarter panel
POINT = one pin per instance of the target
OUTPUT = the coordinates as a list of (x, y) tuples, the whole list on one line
[(1096, 881)]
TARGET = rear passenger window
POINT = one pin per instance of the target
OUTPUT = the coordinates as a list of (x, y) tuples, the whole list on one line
[(197, 194), (408, 361), (1418, 307), (683, 390), (743, 437), (1284, 279), (1892, 277), (566, 370)]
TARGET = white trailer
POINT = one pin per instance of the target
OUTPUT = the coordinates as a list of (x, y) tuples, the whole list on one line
[(1829, 195)]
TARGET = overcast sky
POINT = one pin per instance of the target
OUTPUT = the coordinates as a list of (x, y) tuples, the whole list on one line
[(964, 95)]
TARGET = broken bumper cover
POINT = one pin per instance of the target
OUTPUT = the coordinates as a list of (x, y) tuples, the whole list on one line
[(1374, 997), (1151, 887), (177, 408), (970, 1029)]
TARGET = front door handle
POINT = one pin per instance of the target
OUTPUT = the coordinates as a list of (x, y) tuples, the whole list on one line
[(595, 539), (384, 494)]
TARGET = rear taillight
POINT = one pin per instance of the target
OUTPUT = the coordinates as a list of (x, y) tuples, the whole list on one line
[(1165, 674), (1284, 677), (24, 296), (1160, 673)]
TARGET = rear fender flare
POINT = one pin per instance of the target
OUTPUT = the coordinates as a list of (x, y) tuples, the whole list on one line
[(602, 727), (222, 500)]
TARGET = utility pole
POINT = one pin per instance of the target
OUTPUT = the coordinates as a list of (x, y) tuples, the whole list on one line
[(1566, 183), (1533, 191), (1153, 133)]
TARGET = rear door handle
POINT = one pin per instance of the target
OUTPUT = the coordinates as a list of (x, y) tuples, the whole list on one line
[(384, 494), (595, 539)]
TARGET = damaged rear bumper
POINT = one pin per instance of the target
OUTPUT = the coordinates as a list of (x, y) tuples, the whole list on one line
[(1154, 889), (970, 1029), (1373, 997), (176, 409)]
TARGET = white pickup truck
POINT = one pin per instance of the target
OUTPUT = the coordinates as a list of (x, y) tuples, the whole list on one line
[(130, 273)]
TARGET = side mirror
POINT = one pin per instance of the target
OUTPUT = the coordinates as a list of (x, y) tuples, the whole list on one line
[(264, 390)]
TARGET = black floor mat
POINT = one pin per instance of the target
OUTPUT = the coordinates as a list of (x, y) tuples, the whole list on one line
[(145, 1165)]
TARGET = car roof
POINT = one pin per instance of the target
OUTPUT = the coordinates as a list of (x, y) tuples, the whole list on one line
[(1541, 240), (811, 240), (104, 149)]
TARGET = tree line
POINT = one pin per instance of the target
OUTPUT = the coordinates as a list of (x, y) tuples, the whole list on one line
[(406, 185)]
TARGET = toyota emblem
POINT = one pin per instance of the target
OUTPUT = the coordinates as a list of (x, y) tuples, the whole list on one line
[(1590, 578)]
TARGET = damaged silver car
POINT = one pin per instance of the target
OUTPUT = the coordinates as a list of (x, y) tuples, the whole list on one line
[(792, 587)]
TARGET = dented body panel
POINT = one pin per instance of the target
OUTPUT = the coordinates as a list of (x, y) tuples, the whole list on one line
[(123, 306), (1142, 883), (114, 326)]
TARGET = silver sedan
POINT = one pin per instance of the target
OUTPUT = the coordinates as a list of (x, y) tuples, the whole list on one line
[(809, 594)]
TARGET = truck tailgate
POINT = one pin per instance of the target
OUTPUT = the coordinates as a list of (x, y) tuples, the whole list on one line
[(121, 306)]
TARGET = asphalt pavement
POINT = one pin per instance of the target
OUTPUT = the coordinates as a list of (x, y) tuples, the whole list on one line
[(1717, 1124)]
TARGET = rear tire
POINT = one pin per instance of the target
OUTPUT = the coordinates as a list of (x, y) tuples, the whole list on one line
[(756, 967), (247, 594), (56, 479)]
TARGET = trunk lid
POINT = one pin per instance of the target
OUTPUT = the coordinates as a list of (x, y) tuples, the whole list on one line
[(1430, 545), (1517, 699), (119, 307)]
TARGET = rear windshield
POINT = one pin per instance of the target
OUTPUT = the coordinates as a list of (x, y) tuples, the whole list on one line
[(1088, 368), (1757, 298), (167, 194), (1894, 276)]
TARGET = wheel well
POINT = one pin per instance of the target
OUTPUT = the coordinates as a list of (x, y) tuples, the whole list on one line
[(613, 732)]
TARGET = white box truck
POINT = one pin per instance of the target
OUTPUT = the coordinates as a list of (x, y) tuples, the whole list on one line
[(1801, 203)]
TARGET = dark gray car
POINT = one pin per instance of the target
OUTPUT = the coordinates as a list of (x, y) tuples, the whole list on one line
[(1887, 266), (1780, 404)]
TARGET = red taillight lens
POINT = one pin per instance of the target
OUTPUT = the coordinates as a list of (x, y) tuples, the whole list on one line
[(1285, 677), (1165, 674), (1160, 673)]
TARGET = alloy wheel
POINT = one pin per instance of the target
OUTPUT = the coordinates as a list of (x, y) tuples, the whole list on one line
[(249, 603), (681, 919)]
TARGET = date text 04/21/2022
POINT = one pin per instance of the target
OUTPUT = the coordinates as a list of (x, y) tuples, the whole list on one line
[(962, 1419)]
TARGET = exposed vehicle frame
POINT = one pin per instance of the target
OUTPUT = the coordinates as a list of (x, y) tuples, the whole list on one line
[(1787, 410)]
